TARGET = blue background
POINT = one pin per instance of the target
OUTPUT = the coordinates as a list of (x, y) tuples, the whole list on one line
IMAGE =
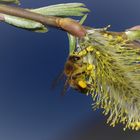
[(29, 62)]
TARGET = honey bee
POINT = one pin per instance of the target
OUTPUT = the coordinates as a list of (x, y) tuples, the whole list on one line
[(80, 75), (77, 73)]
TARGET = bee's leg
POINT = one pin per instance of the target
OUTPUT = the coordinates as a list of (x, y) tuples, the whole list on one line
[(66, 86)]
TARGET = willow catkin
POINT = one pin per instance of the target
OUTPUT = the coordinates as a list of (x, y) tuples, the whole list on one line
[(111, 75)]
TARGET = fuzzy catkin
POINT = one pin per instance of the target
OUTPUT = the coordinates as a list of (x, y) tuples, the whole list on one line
[(112, 76)]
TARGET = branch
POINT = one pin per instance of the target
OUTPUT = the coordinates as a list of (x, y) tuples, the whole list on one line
[(1, 17), (10, 1), (66, 24)]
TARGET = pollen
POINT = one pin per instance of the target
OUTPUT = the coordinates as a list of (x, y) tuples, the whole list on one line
[(110, 37), (82, 53), (105, 35), (90, 49), (90, 67), (119, 38), (135, 125), (98, 53), (82, 84)]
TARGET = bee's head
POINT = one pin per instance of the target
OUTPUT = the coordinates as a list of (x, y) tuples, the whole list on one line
[(69, 68), (74, 58), (71, 64)]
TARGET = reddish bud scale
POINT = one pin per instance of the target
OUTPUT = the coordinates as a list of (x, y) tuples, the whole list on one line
[(71, 26)]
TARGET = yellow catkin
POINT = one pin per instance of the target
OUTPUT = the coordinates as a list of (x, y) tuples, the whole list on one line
[(111, 75)]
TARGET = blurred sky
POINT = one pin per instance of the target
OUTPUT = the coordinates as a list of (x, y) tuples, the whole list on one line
[(29, 62)]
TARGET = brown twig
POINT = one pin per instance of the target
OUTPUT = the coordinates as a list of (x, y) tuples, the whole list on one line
[(1, 17), (66, 24)]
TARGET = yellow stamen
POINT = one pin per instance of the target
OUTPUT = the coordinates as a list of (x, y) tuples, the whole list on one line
[(105, 35), (92, 74), (98, 53), (90, 67), (119, 38), (90, 49), (110, 37), (84, 52)]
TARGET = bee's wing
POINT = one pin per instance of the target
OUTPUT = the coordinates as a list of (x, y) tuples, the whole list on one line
[(56, 81)]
